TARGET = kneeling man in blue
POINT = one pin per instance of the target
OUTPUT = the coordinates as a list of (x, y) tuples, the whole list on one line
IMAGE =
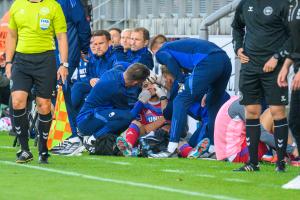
[(106, 108), (208, 69)]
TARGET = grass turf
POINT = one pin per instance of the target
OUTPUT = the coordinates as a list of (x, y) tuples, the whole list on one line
[(211, 179)]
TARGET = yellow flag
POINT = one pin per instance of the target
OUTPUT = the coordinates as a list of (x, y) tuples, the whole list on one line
[(60, 127)]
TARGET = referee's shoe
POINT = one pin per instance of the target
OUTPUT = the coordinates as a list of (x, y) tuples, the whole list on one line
[(24, 157)]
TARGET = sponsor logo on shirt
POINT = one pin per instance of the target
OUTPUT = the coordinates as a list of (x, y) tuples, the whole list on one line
[(44, 23), (268, 10), (151, 119)]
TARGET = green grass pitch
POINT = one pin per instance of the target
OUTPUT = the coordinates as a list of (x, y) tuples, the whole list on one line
[(97, 177)]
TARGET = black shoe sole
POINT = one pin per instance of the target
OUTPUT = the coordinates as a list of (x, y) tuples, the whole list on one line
[(43, 162), (24, 161)]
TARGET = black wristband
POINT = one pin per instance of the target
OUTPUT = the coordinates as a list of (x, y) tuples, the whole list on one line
[(7, 62), (163, 98)]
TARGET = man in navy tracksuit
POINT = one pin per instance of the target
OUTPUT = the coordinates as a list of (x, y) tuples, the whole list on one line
[(210, 69), (79, 33), (139, 51), (101, 60), (106, 108)]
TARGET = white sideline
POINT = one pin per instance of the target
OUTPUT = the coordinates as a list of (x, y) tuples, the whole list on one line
[(206, 175), (123, 182), (173, 171), (110, 162), (237, 180), (293, 184), (6, 147)]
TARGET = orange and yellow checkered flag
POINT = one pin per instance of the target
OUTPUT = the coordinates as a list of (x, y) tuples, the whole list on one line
[(60, 127)]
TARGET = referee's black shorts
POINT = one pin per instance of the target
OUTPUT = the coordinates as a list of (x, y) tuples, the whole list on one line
[(256, 85), (38, 70)]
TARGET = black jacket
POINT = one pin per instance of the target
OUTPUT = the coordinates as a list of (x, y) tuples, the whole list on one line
[(261, 28), (294, 22)]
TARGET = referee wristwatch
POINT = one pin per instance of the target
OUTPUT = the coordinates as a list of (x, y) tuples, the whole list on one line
[(276, 56), (64, 64)]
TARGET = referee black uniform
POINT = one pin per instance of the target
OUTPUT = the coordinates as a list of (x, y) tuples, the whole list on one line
[(260, 27)]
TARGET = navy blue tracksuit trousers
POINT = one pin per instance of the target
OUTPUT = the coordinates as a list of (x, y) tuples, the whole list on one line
[(209, 77)]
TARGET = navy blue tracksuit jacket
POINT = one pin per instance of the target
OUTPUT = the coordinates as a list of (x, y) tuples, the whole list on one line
[(143, 56), (106, 108), (208, 68), (79, 34)]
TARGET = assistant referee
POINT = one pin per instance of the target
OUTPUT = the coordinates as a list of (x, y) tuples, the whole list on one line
[(31, 64)]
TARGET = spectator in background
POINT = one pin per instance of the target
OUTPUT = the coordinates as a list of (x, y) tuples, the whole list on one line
[(155, 44), (294, 116), (79, 34), (115, 35), (139, 48), (126, 39)]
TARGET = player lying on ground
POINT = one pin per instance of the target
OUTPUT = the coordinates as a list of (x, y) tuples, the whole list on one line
[(230, 133)]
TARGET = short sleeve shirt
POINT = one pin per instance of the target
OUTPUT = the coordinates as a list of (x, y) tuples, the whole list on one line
[(36, 24)]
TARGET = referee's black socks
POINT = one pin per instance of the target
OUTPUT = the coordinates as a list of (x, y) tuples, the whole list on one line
[(281, 137), (252, 139), (21, 126), (44, 127)]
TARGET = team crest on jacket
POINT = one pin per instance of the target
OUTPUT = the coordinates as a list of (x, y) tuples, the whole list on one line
[(268, 10)]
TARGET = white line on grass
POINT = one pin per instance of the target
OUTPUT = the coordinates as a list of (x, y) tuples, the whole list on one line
[(173, 171), (293, 184), (110, 162), (236, 180), (6, 147), (206, 175), (124, 182)]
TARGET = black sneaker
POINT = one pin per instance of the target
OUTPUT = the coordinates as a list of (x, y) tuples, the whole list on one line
[(43, 158), (248, 167), (280, 166), (24, 157), (90, 145), (19, 153)]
